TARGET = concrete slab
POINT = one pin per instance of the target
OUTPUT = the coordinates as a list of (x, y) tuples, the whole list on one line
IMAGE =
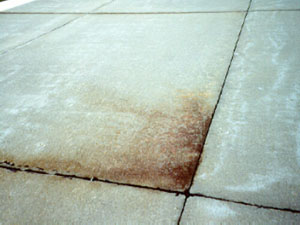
[(175, 6), (275, 4), (58, 6), (208, 211), (252, 153), (124, 97), (5, 5), (43, 199), (19, 29)]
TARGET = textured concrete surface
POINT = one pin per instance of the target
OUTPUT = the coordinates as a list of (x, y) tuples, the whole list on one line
[(175, 6), (44, 199), (252, 153), (124, 91), (58, 6), (111, 97), (21, 29), (200, 210), (275, 4)]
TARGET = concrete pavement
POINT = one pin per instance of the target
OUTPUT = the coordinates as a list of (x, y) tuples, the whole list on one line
[(252, 152), (129, 112)]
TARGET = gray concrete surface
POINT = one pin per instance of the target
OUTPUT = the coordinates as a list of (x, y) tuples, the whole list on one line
[(175, 6), (117, 97), (44, 199), (18, 30), (252, 153), (128, 97), (275, 4), (200, 210)]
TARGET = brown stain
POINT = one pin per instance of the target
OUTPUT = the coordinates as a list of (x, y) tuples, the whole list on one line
[(176, 139), (163, 155)]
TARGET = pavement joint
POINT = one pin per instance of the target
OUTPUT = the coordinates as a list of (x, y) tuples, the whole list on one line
[(182, 210), (146, 13), (213, 113), (245, 203), (12, 167), (54, 29), (124, 13), (37, 37), (5, 165), (103, 5), (18, 168), (221, 91), (274, 10)]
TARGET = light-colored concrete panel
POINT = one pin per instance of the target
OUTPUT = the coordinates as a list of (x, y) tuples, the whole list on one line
[(18, 29), (208, 211), (5, 5), (275, 4), (57, 6), (252, 153), (175, 6), (124, 97), (43, 199)]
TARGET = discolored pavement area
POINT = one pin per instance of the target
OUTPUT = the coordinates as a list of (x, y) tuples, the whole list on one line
[(150, 112)]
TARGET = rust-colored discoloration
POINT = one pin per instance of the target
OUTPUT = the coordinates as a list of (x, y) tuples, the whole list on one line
[(162, 154)]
